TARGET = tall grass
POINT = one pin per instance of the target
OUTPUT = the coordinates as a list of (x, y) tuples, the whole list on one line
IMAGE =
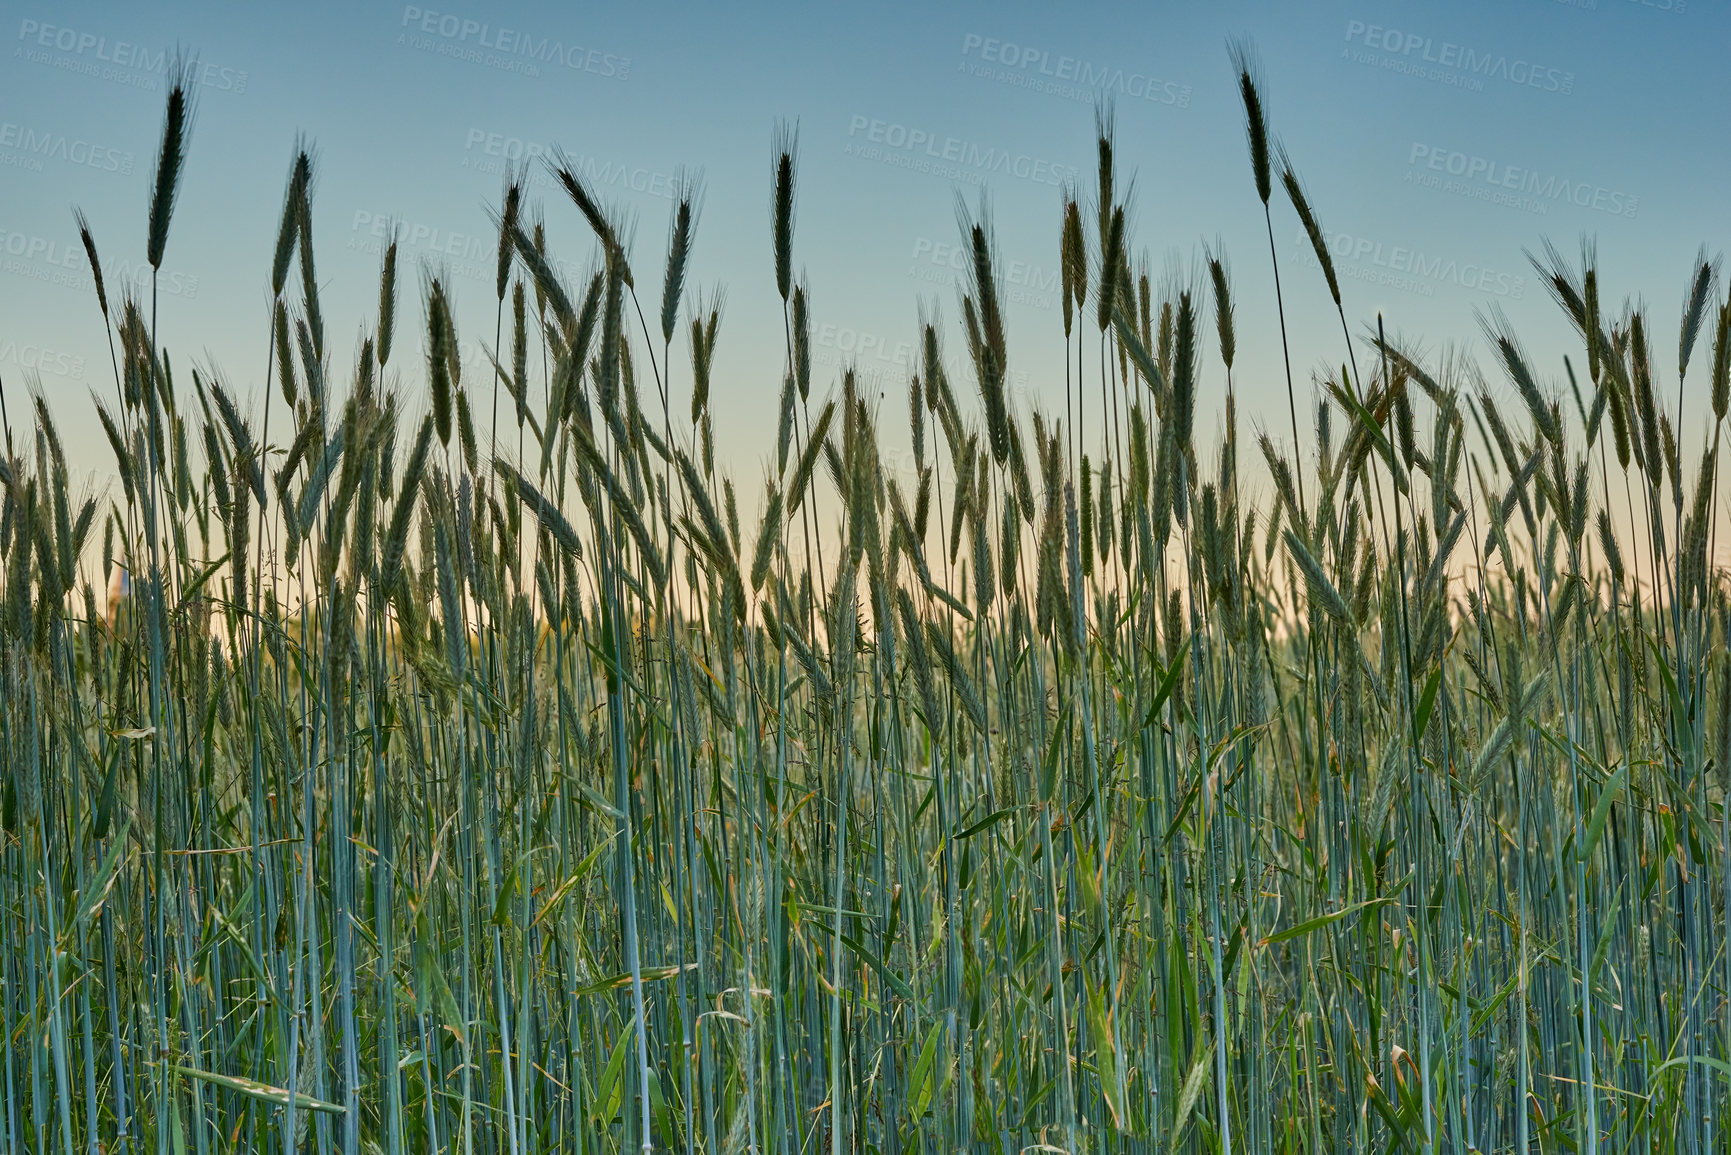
[(1069, 793)]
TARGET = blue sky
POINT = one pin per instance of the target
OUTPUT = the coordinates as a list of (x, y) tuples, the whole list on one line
[(1437, 142)]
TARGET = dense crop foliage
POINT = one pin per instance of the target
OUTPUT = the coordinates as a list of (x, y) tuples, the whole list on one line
[(505, 779)]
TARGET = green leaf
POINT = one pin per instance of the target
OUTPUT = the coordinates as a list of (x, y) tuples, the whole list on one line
[(564, 888), (1719, 1065), (432, 993), (1602, 811), (924, 1079), (1427, 702), (1609, 932), (197, 584), (1322, 920), (1054, 747), (1192, 1090), (892, 980), (612, 1089), (264, 1092), (623, 979), (1168, 683), (989, 820), (97, 889), (176, 1132), (1374, 431), (1105, 1054)]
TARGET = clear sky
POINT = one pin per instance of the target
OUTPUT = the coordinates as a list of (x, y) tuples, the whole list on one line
[(1437, 141)]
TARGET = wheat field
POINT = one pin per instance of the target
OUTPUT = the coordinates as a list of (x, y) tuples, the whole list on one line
[(475, 765)]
